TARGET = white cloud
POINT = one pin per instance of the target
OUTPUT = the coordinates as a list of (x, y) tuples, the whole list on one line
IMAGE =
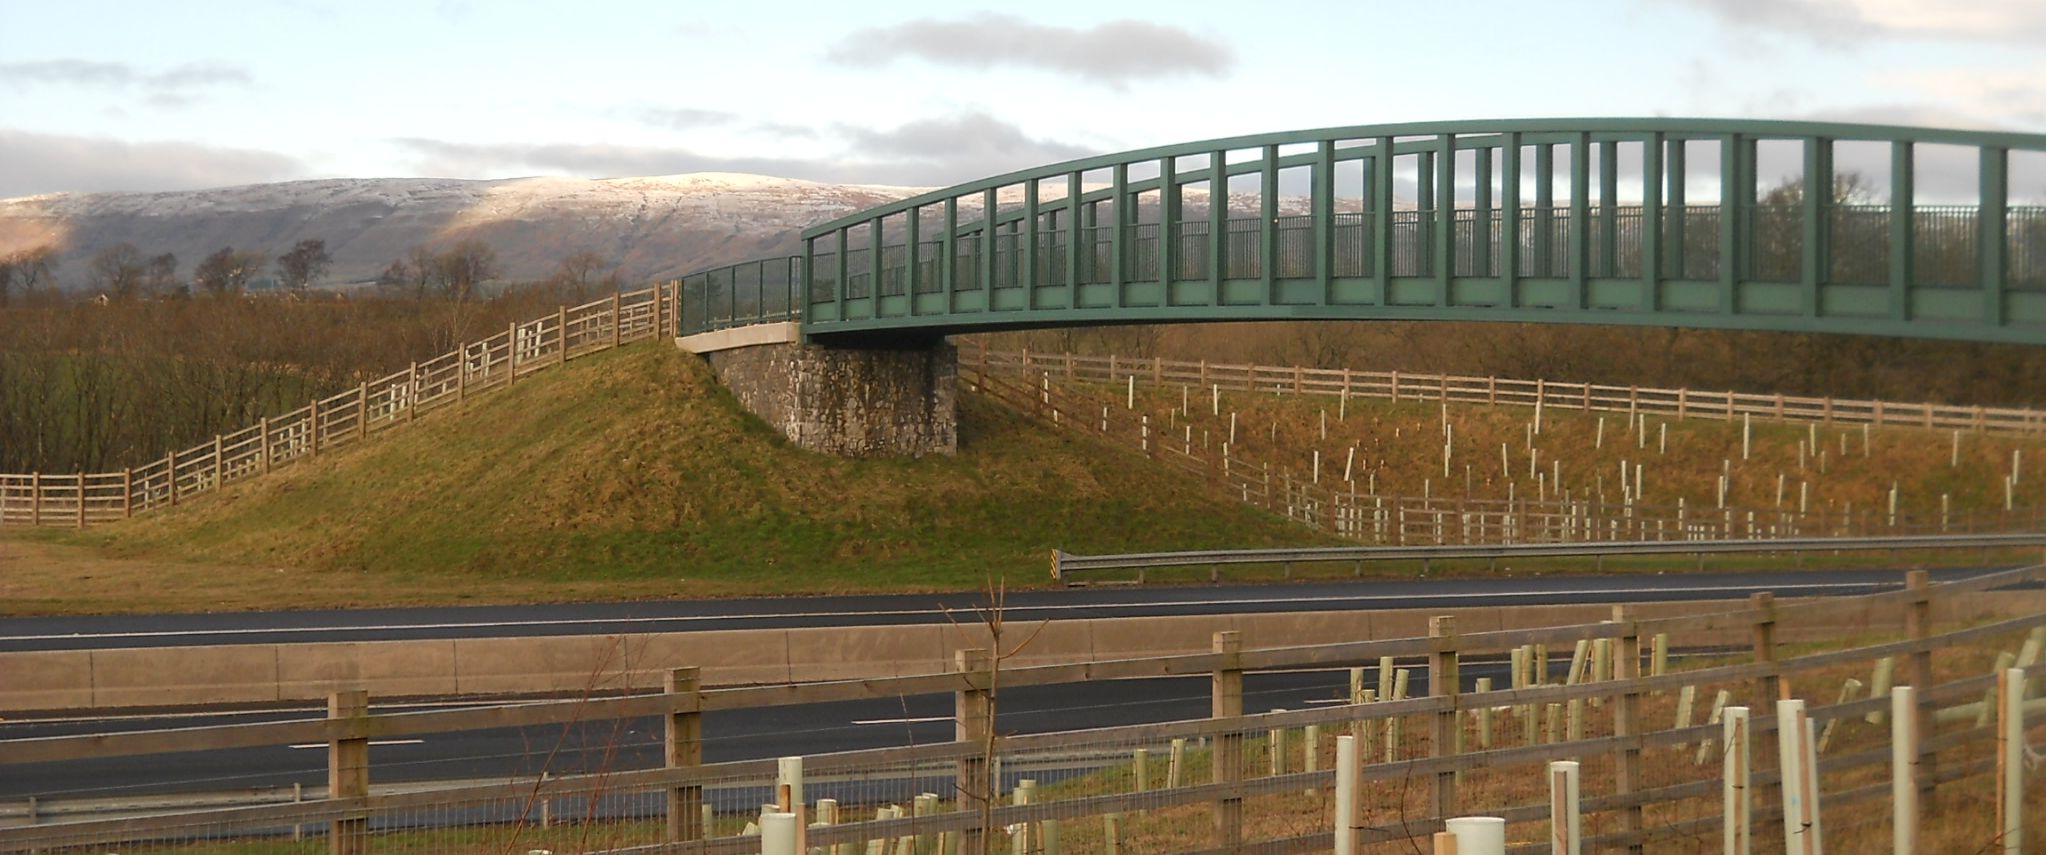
[(1846, 22), (32, 163), (1115, 52)]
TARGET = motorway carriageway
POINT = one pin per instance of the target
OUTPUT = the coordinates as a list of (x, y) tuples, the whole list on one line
[(103, 632)]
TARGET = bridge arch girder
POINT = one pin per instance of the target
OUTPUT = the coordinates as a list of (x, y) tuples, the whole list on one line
[(1544, 220)]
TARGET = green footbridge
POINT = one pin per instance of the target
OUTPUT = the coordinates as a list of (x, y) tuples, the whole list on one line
[(1661, 222)]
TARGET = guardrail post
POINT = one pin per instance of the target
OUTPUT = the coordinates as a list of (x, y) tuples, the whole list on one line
[(1445, 681), (1918, 626), (348, 773), (683, 746), (1227, 702), (1626, 664), (973, 721)]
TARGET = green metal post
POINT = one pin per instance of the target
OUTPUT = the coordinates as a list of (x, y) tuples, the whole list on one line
[(948, 251), (913, 258), (1324, 217), (1123, 211), (801, 293), (1580, 218), (1073, 234), (843, 277), (1218, 220), (1733, 158), (1028, 271), (1168, 226), (1545, 210), (1509, 219), (1995, 201), (1268, 226), (1679, 213), (1481, 212), (1818, 197), (876, 243), (1651, 223), (988, 245), (1445, 217), (1609, 208), (1381, 221), (1903, 183), (1425, 214)]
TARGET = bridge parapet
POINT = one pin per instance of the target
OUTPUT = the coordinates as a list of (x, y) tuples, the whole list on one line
[(1613, 221)]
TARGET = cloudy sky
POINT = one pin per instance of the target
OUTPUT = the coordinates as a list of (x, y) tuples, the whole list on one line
[(154, 95)]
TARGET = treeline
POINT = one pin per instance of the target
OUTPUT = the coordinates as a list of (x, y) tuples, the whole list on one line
[(98, 382)]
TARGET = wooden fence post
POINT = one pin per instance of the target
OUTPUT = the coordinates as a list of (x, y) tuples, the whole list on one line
[(1764, 635), (35, 498), (1444, 681), (81, 499), (219, 463), (348, 774), (683, 746), (312, 428), (411, 390), (511, 353), (561, 332), (1226, 695), (1626, 664), (362, 410), (263, 445), (617, 320), (128, 492), (973, 721), (170, 473)]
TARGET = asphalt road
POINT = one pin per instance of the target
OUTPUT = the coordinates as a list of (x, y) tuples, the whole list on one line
[(769, 732), (80, 633), (636, 743)]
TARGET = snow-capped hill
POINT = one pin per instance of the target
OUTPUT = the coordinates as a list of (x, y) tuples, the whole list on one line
[(651, 227)]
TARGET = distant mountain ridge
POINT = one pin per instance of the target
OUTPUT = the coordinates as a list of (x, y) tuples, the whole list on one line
[(652, 228)]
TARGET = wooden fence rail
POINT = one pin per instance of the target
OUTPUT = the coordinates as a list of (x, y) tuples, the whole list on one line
[(1402, 520), (342, 419), (1418, 387), (1434, 761)]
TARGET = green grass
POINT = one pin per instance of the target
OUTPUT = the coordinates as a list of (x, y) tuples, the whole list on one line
[(633, 474)]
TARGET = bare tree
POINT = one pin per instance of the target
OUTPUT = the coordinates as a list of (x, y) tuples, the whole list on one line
[(227, 271), (582, 273), (161, 278), (27, 268), (464, 266), (306, 261), (117, 271)]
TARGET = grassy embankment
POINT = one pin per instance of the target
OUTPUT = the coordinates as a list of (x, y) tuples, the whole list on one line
[(626, 475)]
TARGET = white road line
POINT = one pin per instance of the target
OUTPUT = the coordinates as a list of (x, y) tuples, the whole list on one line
[(902, 720), (307, 745), (1011, 610)]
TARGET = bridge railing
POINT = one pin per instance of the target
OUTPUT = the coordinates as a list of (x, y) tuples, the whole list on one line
[(1321, 223), (343, 419), (1213, 773)]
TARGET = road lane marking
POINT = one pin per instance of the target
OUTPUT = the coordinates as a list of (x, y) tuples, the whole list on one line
[(373, 742), (1013, 610)]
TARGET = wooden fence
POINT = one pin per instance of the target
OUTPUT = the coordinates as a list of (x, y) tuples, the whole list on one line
[(351, 416), (1230, 778), (1024, 382), (1404, 386)]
